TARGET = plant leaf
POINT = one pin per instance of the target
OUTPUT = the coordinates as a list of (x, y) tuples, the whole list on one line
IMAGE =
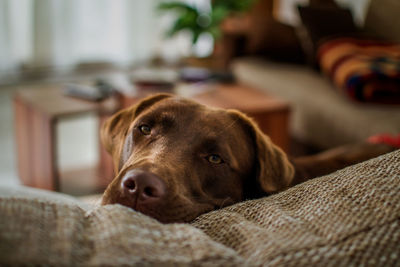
[(180, 6), (218, 14)]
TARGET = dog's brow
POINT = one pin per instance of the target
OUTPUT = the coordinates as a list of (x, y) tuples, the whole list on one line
[(212, 145), (167, 119)]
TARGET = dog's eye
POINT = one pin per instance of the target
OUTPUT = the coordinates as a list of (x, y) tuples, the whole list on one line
[(145, 129), (215, 159)]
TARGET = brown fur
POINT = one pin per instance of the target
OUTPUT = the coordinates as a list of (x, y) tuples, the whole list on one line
[(328, 161), (184, 134)]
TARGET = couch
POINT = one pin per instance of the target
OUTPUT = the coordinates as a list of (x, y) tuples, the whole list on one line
[(348, 218), (322, 115)]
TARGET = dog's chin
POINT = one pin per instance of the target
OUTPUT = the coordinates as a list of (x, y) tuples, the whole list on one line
[(183, 213), (166, 219)]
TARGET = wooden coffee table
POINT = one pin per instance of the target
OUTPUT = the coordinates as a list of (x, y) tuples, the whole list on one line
[(37, 111), (271, 113)]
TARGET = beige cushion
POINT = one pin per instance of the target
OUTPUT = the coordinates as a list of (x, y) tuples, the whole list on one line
[(351, 217), (320, 114)]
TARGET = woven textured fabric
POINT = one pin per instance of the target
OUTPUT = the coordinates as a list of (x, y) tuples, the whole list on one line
[(348, 218), (46, 232), (351, 217)]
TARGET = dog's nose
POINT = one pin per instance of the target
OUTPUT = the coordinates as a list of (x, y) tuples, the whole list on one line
[(143, 187)]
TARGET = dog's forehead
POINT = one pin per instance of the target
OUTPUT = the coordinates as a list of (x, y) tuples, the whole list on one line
[(203, 122), (200, 120), (188, 112)]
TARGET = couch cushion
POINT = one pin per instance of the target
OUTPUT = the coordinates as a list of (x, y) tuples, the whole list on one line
[(38, 228), (320, 116), (351, 217)]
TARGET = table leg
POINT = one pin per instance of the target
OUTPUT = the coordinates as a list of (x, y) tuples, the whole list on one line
[(23, 141), (36, 146)]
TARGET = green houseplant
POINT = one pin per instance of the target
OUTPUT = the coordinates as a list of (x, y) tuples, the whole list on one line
[(189, 18)]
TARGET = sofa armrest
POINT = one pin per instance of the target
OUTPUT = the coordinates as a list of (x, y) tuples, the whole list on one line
[(350, 217)]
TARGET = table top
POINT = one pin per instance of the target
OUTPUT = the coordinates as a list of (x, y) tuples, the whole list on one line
[(51, 101), (230, 96), (241, 97)]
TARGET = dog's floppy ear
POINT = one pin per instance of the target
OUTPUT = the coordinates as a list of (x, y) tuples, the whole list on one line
[(273, 170), (115, 129)]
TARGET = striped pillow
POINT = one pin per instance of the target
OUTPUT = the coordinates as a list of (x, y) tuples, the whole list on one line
[(366, 70)]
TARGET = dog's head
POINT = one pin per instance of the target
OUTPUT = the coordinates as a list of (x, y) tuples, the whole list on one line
[(176, 159)]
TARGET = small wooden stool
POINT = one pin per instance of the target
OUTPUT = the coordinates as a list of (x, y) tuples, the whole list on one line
[(36, 113)]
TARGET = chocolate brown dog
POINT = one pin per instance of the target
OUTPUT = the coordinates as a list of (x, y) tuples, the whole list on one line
[(176, 159)]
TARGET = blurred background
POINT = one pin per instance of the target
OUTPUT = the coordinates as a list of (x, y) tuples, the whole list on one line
[(61, 34), (45, 42)]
